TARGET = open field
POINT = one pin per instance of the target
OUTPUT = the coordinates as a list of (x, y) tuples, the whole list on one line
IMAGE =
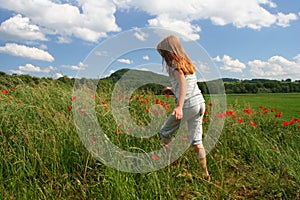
[(287, 103), (42, 157)]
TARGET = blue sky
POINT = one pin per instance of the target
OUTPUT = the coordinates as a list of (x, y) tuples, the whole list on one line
[(245, 39)]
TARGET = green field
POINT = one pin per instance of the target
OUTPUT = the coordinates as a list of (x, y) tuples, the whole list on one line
[(287, 103), (42, 157)]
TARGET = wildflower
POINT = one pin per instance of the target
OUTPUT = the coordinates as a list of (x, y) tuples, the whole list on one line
[(298, 126), (247, 111), (69, 108), (253, 123), (74, 98), (205, 112), (278, 114), (220, 115), (157, 101), (147, 111), (5, 92), (285, 123), (240, 120), (210, 104), (155, 157), (94, 96), (204, 119), (104, 103), (273, 109), (118, 131), (94, 139), (167, 95), (185, 139)]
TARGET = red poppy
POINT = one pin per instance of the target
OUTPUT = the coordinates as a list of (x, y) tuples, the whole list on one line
[(157, 101), (118, 131), (285, 123), (278, 114), (298, 126), (273, 109), (167, 95), (204, 119), (220, 115), (94, 139), (210, 104), (5, 92), (240, 120), (69, 108), (205, 112), (94, 96), (155, 157), (104, 102), (247, 111), (253, 124), (147, 111), (73, 98)]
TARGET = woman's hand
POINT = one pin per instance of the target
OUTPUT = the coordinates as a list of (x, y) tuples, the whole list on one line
[(177, 112), (167, 90)]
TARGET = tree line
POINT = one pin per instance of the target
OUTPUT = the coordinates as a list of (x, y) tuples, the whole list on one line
[(227, 85)]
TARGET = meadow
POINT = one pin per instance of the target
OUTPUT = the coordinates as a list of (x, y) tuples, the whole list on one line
[(42, 157)]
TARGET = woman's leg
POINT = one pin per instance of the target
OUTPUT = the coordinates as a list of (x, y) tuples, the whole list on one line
[(201, 157)]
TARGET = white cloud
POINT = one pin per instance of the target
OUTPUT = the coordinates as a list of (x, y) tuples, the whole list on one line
[(28, 68), (284, 20), (80, 66), (230, 65), (58, 75), (180, 16), (140, 35), (18, 28), (63, 40), (276, 67), (88, 20), (126, 61), (26, 52), (297, 58), (110, 73), (91, 20), (146, 57)]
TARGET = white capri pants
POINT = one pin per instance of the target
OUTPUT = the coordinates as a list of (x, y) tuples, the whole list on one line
[(193, 116)]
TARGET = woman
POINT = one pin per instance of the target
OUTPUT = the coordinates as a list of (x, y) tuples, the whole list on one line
[(190, 104)]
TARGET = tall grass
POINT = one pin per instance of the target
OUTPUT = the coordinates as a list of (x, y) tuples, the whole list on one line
[(42, 156)]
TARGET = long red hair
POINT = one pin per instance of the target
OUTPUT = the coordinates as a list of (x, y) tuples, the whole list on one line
[(174, 55)]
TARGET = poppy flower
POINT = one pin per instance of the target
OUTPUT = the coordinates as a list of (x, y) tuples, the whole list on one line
[(154, 157), (94, 139), (5, 92), (273, 109), (278, 114), (204, 119), (69, 108), (285, 123), (247, 111), (240, 120), (104, 103), (220, 115), (210, 104), (74, 98), (167, 95), (253, 124)]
